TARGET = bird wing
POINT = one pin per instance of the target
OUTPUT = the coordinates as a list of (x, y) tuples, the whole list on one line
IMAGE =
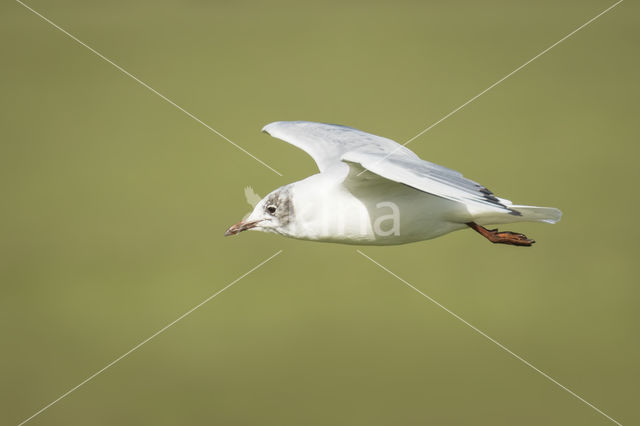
[(326, 143), (425, 176)]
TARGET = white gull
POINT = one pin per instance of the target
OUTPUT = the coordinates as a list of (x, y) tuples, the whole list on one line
[(374, 191)]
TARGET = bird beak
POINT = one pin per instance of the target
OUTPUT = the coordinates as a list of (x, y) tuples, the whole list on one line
[(241, 226)]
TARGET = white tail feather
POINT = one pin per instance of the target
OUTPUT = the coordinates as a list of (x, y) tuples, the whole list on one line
[(527, 214)]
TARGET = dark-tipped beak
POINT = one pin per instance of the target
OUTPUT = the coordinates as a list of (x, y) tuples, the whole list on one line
[(241, 226)]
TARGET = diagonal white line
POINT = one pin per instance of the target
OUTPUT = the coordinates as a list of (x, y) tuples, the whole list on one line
[(163, 329), (491, 339), (145, 85), (499, 81), (512, 72)]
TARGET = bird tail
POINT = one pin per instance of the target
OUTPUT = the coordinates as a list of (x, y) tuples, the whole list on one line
[(526, 214)]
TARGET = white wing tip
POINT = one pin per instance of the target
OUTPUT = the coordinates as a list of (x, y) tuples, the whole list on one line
[(267, 129)]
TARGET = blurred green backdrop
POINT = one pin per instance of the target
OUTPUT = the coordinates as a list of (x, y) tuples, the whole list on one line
[(114, 204)]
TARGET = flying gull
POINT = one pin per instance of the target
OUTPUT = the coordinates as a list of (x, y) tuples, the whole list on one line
[(374, 191)]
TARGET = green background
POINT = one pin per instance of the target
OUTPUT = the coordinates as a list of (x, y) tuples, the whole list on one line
[(114, 204)]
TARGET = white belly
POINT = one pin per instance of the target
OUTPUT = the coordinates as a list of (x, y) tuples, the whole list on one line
[(384, 215)]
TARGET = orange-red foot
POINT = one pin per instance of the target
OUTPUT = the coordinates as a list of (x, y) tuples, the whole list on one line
[(504, 237)]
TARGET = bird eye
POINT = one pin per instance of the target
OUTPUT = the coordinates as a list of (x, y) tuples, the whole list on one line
[(271, 209)]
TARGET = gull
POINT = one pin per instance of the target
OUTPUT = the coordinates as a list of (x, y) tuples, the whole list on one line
[(373, 191)]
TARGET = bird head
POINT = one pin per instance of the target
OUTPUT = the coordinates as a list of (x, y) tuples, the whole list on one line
[(271, 214)]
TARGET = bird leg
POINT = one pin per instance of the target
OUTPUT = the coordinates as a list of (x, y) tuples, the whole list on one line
[(504, 237)]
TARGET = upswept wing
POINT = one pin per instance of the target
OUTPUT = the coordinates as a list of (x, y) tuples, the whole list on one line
[(428, 177), (328, 144)]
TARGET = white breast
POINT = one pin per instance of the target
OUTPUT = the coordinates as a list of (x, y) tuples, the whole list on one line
[(387, 214)]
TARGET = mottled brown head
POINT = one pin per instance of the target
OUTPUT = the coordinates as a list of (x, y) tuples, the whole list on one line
[(274, 213)]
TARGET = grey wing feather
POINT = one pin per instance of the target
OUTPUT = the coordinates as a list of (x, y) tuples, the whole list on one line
[(326, 143), (429, 177)]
